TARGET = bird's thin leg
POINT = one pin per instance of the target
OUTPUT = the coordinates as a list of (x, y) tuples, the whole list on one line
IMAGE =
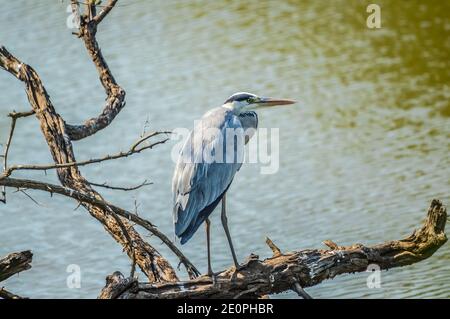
[(208, 245), (227, 232)]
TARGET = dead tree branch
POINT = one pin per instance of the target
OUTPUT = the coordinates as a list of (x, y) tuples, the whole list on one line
[(18, 115), (120, 188), (304, 268), (59, 137), (15, 263), (44, 167), (115, 100), (14, 116), (102, 204), (5, 155)]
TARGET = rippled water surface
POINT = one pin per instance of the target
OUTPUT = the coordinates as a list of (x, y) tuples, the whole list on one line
[(361, 155)]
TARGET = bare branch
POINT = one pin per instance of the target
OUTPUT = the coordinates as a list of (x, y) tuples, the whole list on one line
[(5, 154), (17, 115), (298, 269), (53, 127), (126, 189), (43, 167), (144, 138), (103, 13), (84, 198), (276, 251), (30, 197), (331, 244), (14, 116)]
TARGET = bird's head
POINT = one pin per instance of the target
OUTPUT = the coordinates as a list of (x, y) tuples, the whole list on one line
[(243, 101)]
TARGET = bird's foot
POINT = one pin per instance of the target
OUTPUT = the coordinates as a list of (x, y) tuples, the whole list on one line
[(236, 270)]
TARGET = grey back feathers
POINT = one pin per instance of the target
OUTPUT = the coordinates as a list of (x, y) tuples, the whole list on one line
[(198, 185)]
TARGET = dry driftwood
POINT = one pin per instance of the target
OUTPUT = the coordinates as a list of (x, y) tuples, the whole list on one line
[(101, 203), (15, 263), (285, 271)]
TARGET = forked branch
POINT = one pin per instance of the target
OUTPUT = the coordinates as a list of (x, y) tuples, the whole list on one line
[(137, 147), (102, 204), (115, 100), (294, 270), (59, 138)]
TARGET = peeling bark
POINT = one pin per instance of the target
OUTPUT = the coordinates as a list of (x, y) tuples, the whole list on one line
[(284, 271), (14, 263)]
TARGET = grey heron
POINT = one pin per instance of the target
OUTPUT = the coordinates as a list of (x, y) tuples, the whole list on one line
[(200, 183)]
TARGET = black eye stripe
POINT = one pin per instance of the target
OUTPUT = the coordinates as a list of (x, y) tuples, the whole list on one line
[(240, 97)]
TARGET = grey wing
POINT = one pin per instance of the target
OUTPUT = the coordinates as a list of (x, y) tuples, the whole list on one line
[(198, 184)]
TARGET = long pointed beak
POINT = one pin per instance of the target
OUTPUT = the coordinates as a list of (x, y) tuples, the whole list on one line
[(270, 101)]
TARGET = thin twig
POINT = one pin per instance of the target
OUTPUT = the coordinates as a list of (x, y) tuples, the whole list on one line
[(145, 138), (106, 5), (126, 234), (144, 127), (59, 139), (276, 251), (132, 188), (17, 115), (85, 198), (104, 12), (29, 196), (133, 150), (14, 116), (5, 155)]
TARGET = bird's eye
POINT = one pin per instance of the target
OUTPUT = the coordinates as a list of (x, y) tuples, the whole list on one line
[(251, 100)]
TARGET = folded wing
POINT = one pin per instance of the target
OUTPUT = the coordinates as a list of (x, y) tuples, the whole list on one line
[(201, 174)]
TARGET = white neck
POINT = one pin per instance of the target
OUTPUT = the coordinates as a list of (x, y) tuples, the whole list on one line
[(235, 106)]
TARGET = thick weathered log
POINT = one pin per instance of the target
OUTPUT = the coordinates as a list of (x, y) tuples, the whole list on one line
[(15, 263), (53, 127), (306, 267), (135, 149)]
